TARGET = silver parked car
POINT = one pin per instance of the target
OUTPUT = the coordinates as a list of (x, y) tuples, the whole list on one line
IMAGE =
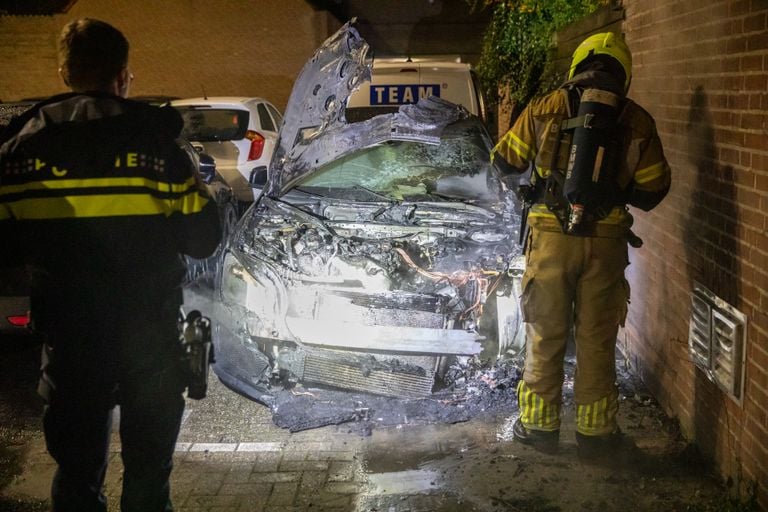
[(383, 254)]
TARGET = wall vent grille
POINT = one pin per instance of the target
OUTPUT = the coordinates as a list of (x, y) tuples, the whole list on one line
[(716, 340)]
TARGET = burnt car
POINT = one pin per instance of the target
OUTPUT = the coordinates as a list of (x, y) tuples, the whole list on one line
[(383, 254)]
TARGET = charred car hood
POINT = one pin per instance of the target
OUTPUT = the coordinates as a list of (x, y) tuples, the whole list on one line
[(315, 130)]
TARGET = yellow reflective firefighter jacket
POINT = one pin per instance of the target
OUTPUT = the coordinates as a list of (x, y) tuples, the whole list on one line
[(644, 171)]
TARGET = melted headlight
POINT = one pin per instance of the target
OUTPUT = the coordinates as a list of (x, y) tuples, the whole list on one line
[(260, 294)]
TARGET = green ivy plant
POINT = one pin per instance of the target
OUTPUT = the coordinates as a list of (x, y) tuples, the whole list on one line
[(514, 56)]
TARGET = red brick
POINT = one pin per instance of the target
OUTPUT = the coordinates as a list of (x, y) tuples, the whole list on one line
[(737, 44), (739, 100), (760, 162), (756, 22), (756, 82), (744, 177), (757, 42), (753, 121), (758, 101), (739, 7), (755, 140), (725, 136)]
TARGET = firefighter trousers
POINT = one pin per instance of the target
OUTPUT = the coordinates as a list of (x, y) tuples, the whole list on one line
[(572, 284)]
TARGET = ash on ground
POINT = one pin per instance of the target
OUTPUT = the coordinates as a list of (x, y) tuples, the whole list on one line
[(476, 390)]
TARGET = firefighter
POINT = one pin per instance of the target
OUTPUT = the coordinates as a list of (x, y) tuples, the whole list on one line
[(98, 199), (591, 151)]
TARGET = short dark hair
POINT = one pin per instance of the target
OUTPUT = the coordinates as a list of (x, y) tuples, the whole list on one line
[(92, 54)]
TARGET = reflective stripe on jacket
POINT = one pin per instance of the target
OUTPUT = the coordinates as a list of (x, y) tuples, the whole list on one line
[(99, 199)]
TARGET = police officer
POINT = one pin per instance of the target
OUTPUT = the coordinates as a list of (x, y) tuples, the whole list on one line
[(100, 202), (576, 248)]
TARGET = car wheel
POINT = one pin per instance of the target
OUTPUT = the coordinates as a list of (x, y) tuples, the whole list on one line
[(205, 269), (229, 217)]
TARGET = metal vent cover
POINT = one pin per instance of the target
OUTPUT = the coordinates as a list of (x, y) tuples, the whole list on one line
[(716, 340)]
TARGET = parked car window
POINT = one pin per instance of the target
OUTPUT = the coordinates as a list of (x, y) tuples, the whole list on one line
[(275, 115), (264, 119), (457, 168), (208, 125)]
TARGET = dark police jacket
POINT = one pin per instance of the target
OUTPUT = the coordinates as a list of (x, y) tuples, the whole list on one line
[(99, 200)]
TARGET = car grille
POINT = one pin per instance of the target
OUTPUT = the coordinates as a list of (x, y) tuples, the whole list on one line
[(326, 367)]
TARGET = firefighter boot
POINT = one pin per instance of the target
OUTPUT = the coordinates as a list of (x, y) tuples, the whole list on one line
[(614, 449), (545, 441)]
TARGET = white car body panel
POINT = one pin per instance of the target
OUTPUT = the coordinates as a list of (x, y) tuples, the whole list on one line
[(231, 156)]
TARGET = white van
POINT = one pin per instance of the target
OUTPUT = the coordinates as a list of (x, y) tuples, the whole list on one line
[(397, 81)]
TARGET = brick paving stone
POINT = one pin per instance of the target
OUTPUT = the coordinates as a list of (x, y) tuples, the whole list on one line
[(341, 471), (345, 487), (198, 456), (334, 455), (283, 493), (293, 476), (207, 485), (312, 480), (232, 502), (247, 488), (324, 500), (224, 457), (254, 505), (308, 446), (40, 458), (213, 447), (266, 462), (183, 447), (238, 457), (114, 479), (294, 455), (303, 465), (239, 474), (259, 447)]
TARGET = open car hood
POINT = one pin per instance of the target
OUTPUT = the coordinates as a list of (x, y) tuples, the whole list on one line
[(315, 131)]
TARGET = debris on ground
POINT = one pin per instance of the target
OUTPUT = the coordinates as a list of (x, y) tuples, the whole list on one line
[(476, 389)]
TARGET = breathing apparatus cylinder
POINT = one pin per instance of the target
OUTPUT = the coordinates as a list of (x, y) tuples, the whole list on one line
[(592, 159)]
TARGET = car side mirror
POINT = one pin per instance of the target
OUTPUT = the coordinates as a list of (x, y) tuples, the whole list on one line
[(258, 177), (207, 168)]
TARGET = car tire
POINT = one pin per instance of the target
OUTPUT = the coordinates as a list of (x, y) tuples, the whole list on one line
[(205, 269), (230, 214)]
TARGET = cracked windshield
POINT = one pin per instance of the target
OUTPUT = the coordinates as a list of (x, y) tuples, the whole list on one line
[(456, 169)]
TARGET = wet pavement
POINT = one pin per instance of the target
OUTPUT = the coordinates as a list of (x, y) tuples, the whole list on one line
[(231, 456)]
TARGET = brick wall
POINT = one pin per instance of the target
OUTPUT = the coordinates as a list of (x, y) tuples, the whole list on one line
[(701, 69), (178, 47), (418, 27)]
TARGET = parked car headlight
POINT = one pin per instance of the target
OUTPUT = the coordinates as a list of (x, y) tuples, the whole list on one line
[(254, 288)]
